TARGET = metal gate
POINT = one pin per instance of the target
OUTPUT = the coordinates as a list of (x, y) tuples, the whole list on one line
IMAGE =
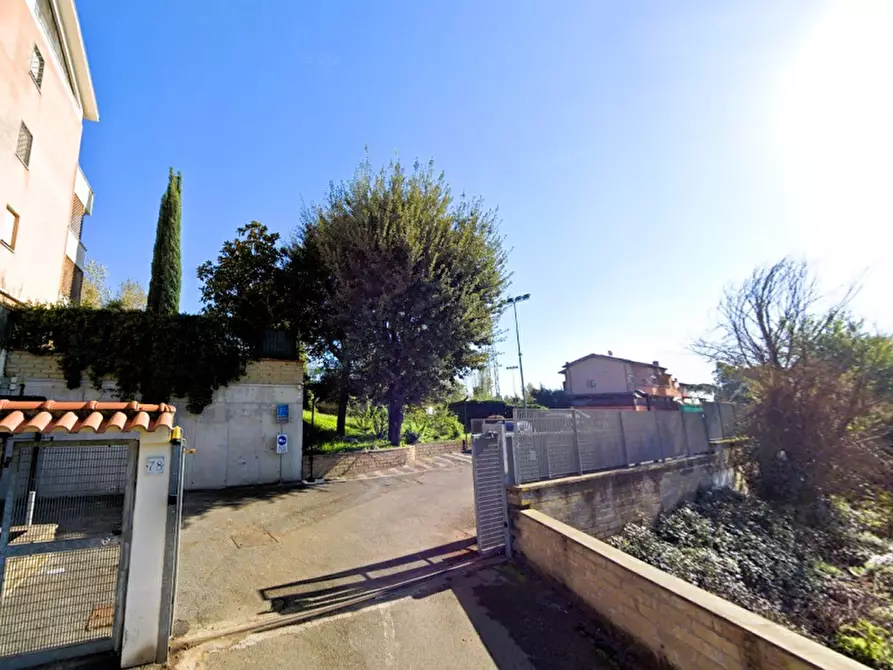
[(64, 548), (490, 511)]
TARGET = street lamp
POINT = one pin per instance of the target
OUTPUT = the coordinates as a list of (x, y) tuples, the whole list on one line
[(514, 387), (514, 303)]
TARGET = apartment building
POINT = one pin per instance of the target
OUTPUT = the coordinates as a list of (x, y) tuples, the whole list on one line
[(46, 93), (598, 374)]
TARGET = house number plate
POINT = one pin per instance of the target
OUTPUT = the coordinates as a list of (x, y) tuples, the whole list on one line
[(155, 465)]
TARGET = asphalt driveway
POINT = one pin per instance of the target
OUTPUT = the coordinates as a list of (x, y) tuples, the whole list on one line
[(238, 545), (374, 573)]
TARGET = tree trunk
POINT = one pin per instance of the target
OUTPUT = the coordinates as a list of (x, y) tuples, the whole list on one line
[(395, 422), (343, 399)]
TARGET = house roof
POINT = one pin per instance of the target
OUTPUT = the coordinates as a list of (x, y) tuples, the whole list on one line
[(613, 358), (71, 28), (50, 416)]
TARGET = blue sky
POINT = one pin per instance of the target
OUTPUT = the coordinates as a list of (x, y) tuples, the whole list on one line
[(642, 154)]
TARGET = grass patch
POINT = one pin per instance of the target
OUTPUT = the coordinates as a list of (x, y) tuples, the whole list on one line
[(321, 437)]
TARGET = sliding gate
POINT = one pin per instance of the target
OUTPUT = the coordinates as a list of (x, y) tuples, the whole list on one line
[(64, 548), (489, 471)]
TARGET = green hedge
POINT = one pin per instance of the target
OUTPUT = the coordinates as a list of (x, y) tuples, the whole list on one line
[(157, 357)]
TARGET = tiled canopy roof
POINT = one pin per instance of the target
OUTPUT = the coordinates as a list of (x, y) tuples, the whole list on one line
[(50, 416)]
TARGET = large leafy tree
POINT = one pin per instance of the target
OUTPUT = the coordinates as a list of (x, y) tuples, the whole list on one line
[(408, 282), (95, 290), (246, 283), (131, 295), (164, 286), (96, 293)]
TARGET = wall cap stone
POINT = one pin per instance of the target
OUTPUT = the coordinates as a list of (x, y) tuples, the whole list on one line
[(803, 649), (664, 466)]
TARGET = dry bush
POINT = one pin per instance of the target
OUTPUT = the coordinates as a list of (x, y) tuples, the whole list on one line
[(818, 387)]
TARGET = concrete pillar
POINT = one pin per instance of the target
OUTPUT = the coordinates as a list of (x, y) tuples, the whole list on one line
[(144, 581)]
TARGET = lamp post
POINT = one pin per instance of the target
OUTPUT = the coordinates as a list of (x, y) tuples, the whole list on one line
[(514, 387), (514, 303)]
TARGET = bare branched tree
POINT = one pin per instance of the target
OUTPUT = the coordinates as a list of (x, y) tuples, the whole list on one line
[(771, 318), (815, 385)]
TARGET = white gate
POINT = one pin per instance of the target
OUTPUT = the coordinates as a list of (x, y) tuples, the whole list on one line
[(490, 511)]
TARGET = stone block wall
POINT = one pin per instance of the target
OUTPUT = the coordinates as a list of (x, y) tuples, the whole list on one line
[(346, 465), (603, 502), (22, 365), (271, 371), (690, 628)]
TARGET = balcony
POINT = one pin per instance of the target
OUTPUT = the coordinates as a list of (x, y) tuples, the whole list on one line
[(75, 250), (83, 191)]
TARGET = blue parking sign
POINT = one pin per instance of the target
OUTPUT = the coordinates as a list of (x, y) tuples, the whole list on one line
[(281, 413)]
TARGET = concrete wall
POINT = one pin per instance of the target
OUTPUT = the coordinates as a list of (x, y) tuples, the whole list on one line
[(603, 502), (41, 194), (234, 437), (346, 465), (688, 627)]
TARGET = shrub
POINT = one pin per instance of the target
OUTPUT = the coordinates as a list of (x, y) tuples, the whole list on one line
[(440, 424), (866, 643), (369, 418)]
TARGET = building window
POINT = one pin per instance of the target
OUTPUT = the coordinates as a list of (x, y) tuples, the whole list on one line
[(37, 67), (10, 228), (23, 147), (47, 16), (590, 383)]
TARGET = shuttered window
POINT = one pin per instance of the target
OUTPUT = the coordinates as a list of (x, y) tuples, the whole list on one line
[(23, 147), (37, 64)]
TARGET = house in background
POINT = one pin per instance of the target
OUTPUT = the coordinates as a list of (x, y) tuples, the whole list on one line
[(46, 92), (605, 381)]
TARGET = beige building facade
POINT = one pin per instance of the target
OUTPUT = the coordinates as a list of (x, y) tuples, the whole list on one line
[(46, 93), (598, 374)]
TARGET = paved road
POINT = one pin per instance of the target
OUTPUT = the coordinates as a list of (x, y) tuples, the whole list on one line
[(238, 546), (387, 568), (497, 617)]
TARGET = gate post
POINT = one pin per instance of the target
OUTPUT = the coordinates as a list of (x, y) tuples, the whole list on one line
[(142, 607)]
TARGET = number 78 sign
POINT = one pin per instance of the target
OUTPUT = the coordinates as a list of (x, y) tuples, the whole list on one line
[(155, 465)]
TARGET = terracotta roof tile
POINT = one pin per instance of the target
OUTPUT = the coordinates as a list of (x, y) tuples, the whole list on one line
[(47, 416)]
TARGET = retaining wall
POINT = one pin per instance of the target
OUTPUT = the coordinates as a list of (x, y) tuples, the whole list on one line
[(602, 503), (345, 465), (234, 437), (687, 626)]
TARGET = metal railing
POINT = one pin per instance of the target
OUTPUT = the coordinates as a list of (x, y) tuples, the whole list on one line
[(549, 443)]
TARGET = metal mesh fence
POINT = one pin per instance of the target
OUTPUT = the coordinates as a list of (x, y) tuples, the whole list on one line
[(65, 507), (561, 442), (722, 419), (56, 599), (79, 491), (600, 437)]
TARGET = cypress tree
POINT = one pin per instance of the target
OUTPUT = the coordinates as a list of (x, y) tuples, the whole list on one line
[(164, 286)]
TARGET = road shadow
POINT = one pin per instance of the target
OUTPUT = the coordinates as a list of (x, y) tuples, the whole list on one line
[(520, 619), (374, 579), (198, 503), (543, 622)]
